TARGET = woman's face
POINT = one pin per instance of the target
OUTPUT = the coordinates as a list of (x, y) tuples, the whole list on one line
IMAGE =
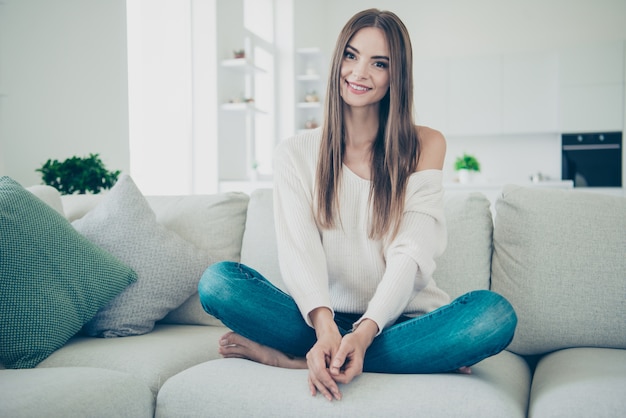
[(365, 68)]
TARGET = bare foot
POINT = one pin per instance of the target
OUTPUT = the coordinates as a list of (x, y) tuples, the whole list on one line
[(233, 345), (464, 370)]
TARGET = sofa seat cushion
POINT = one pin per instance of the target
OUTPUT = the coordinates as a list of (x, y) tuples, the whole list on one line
[(73, 392), (559, 259), (152, 357), (580, 382), (240, 388), (465, 264)]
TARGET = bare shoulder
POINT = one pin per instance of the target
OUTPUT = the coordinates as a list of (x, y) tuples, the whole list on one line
[(433, 148)]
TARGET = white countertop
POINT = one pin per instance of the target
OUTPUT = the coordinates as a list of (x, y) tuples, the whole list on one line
[(555, 184)]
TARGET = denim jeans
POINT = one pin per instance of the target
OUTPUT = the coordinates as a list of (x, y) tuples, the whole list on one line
[(471, 328)]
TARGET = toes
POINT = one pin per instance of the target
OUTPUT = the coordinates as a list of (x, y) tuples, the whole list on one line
[(233, 338), (464, 370), (233, 351), (227, 338)]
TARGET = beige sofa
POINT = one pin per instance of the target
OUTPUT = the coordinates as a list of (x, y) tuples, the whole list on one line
[(558, 256)]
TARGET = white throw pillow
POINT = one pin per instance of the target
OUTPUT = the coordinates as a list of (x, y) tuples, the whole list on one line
[(167, 266), (560, 259)]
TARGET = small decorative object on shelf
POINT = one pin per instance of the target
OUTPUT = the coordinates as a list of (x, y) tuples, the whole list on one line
[(311, 124), (311, 97), (309, 88), (467, 166), (241, 100), (239, 53)]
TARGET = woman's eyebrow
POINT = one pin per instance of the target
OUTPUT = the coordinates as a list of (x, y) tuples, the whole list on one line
[(375, 57)]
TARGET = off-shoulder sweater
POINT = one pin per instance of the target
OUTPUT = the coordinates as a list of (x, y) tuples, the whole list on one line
[(342, 268)]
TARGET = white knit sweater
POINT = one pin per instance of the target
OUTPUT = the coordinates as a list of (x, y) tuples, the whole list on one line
[(342, 268)]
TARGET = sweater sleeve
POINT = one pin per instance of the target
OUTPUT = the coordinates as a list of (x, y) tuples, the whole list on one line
[(301, 256), (410, 256)]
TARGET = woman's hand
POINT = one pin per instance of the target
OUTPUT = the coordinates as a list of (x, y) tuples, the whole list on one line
[(348, 361), (319, 357), (335, 359), (318, 360)]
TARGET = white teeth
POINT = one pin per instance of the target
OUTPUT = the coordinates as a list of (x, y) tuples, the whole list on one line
[(360, 88)]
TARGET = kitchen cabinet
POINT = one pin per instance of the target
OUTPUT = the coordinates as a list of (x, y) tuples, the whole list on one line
[(575, 89), (530, 94), (431, 92), (591, 84), (592, 108), (474, 96), (503, 94), (597, 63)]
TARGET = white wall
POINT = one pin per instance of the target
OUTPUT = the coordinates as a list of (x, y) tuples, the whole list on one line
[(63, 70)]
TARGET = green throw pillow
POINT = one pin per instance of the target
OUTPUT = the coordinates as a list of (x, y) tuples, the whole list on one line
[(52, 280)]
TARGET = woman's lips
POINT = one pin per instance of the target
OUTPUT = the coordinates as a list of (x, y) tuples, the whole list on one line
[(357, 88)]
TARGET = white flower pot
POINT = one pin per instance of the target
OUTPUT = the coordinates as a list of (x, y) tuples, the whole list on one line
[(466, 176)]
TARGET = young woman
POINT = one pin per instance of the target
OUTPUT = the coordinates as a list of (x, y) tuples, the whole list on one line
[(359, 222)]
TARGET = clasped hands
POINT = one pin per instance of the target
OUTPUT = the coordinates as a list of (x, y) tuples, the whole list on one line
[(335, 359)]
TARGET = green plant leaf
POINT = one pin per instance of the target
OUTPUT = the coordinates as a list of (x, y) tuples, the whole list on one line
[(78, 175), (466, 162)]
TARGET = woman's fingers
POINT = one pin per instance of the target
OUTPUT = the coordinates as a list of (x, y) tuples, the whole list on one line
[(328, 389), (319, 375)]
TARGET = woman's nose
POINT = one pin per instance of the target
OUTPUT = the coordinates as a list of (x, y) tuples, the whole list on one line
[(359, 70)]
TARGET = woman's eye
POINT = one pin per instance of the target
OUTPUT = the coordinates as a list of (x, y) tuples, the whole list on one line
[(349, 55), (380, 64)]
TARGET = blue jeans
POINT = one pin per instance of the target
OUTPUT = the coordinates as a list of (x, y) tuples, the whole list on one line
[(473, 327)]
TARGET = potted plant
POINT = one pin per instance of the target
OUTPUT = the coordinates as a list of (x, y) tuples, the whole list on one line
[(78, 175), (467, 165)]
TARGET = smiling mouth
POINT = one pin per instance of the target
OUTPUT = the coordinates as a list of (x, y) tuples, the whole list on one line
[(357, 87)]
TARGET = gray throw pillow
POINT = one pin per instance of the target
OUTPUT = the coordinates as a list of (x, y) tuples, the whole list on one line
[(167, 266)]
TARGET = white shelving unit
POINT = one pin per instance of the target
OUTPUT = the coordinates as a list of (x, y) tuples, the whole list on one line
[(237, 119), (310, 87), (240, 73)]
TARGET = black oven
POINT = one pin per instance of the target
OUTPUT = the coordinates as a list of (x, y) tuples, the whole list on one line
[(592, 159)]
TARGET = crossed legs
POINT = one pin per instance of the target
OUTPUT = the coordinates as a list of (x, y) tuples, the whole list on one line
[(268, 327)]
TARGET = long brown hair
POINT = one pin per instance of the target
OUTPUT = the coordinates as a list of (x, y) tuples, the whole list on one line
[(395, 150)]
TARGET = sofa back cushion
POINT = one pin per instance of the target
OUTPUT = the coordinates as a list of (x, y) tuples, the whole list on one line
[(464, 266), (258, 248), (560, 259), (466, 263), (215, 224), (49, 195)]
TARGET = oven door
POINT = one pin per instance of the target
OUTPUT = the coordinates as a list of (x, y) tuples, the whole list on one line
[(592, 159)]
